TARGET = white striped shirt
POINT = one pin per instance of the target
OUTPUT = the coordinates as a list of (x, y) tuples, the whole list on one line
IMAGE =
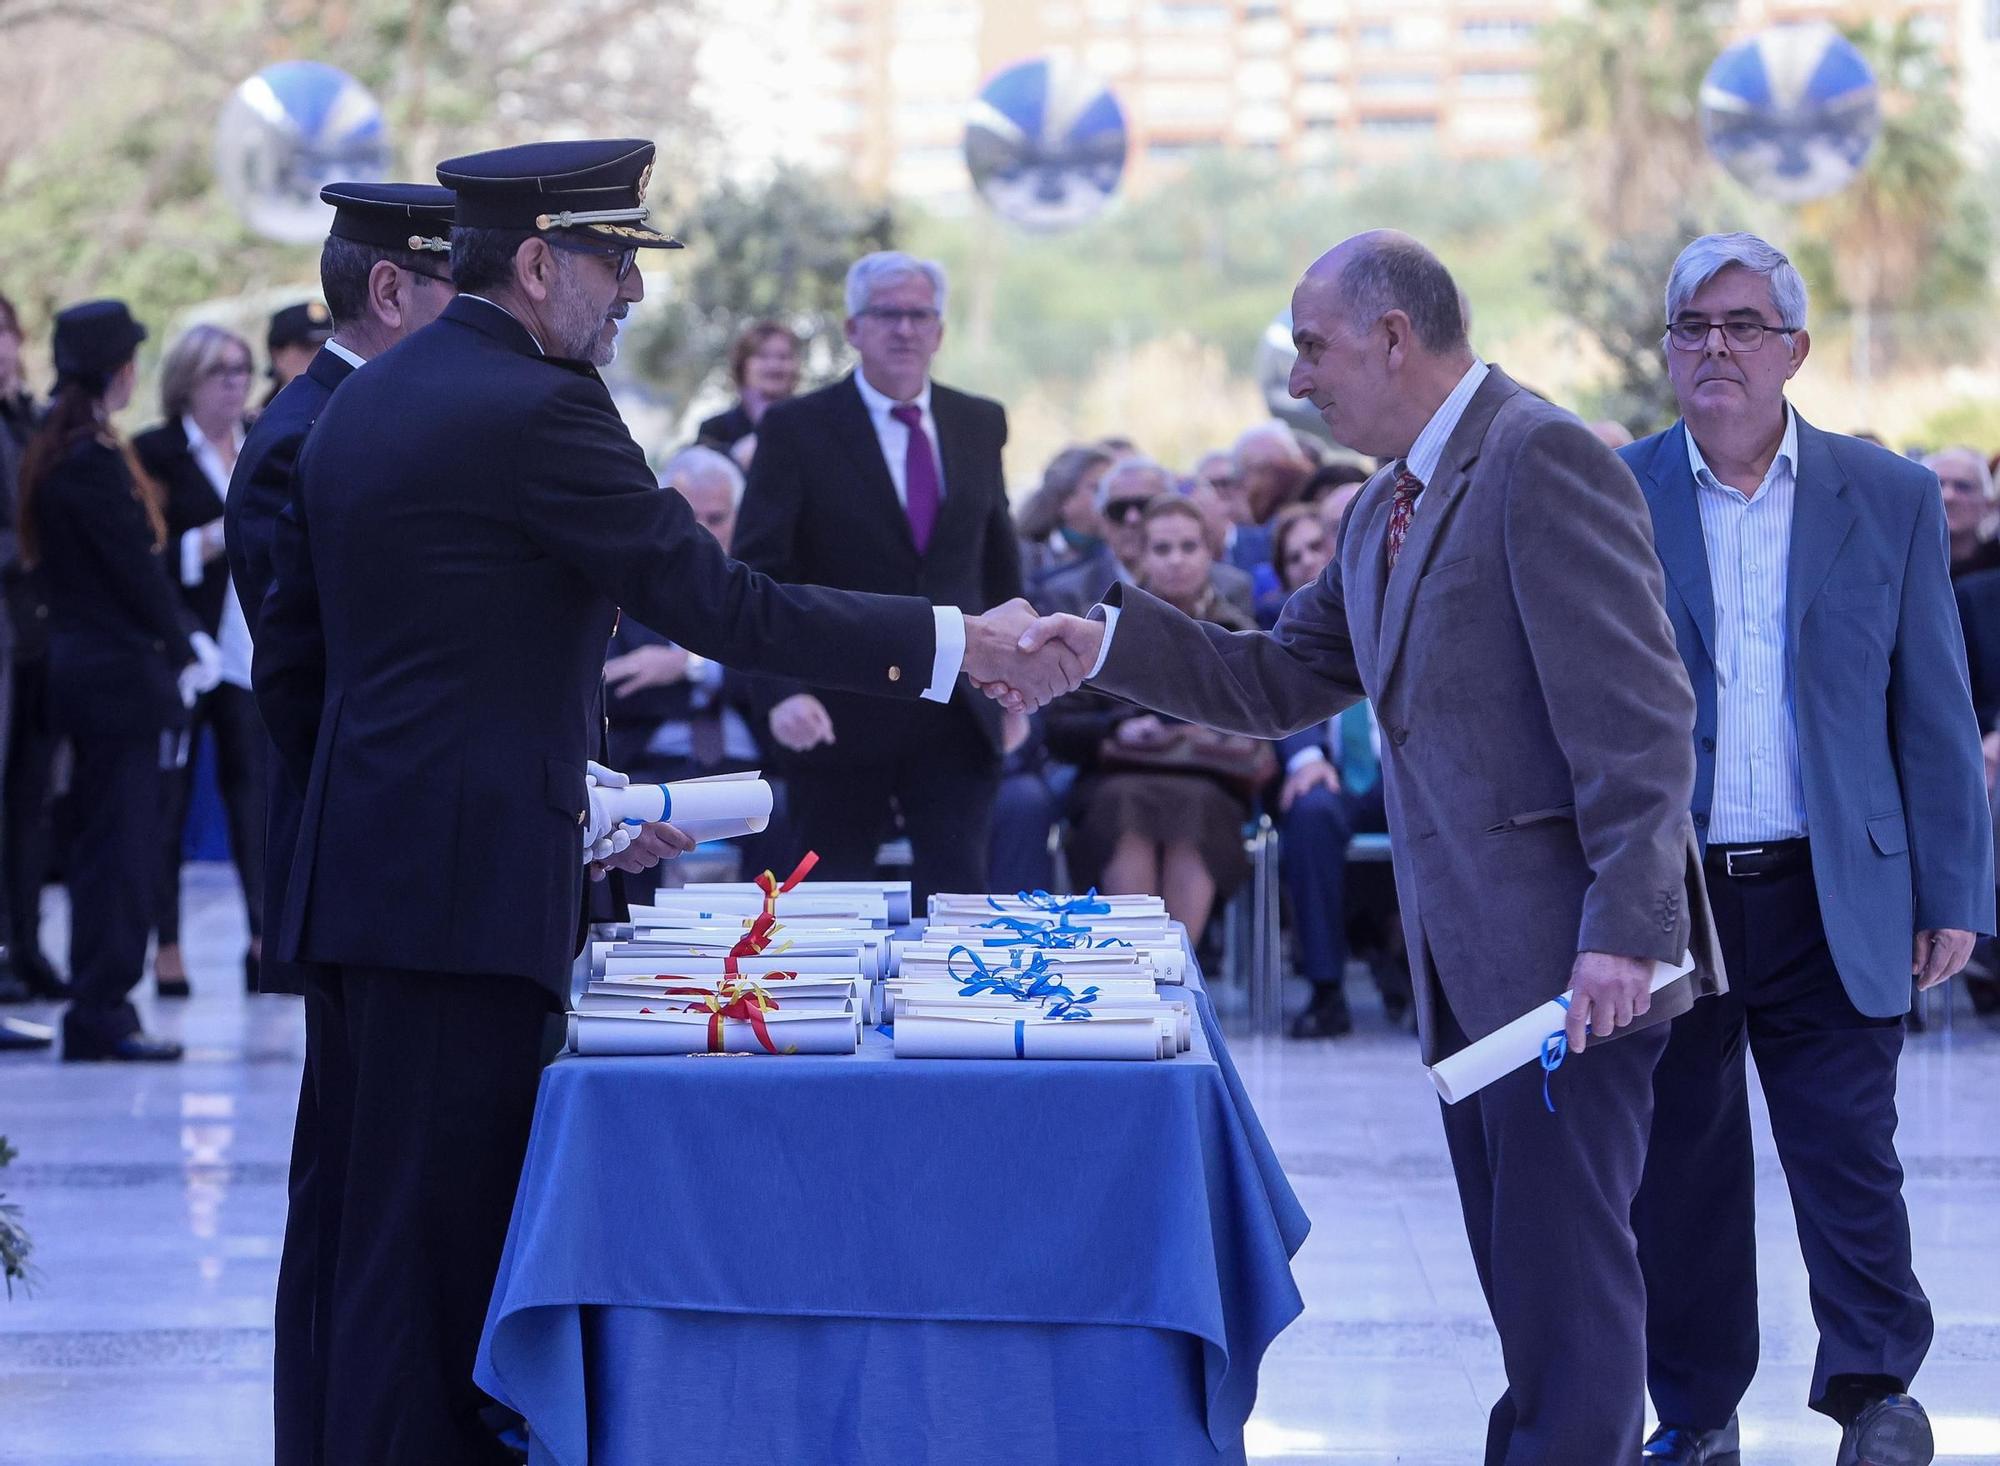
[(1428, 451), (1757, 795)]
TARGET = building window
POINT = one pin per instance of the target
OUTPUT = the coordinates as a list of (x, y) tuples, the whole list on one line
[(1496, 83), (1376, 37), (1417, 124), (1498, 34)]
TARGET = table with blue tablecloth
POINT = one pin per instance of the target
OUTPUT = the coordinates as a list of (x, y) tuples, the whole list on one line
[(861, 1259)]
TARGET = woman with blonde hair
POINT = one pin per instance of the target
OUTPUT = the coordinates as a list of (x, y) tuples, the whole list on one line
[(205, 383), (123, 662)]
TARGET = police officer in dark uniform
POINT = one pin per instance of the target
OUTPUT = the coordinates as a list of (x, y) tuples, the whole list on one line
[(29, 741), (122, 667), (467, 515), (385, 271), (294, 338)]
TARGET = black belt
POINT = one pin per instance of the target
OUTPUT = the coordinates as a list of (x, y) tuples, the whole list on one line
[(1759, 862)]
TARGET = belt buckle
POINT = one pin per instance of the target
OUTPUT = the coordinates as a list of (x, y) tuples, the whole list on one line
[(1729, 861)]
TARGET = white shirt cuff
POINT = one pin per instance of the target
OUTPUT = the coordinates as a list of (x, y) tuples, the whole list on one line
[(1303, 757), (191, 560), (1109, 616), (950, 658)]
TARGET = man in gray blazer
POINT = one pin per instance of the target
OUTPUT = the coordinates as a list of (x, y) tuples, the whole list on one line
[(1496, 594), (1840, 796)]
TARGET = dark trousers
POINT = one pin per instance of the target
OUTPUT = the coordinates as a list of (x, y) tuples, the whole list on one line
[(418, 1094), (230, 712), (1028, 805), (1548, 1206), (24, 826), (114, 811), (1829, 1079), (943, 778), (1312, 858)]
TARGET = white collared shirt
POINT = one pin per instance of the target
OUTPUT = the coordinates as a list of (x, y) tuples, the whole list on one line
[(1758, 793), (1422, 460), (232, 636), (352, 358), (895, 437), (1428, 451)]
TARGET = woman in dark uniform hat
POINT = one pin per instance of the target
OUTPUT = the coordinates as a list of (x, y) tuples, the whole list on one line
[(120, 663)]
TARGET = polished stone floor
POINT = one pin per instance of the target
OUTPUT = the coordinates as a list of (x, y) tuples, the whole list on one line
[(157, 1197)]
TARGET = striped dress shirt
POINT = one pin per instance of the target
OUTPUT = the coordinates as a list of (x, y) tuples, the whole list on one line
[(1758, 795)]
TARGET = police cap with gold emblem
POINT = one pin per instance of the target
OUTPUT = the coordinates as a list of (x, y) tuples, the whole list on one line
[(304, 324), (596, 188), (415, 217)]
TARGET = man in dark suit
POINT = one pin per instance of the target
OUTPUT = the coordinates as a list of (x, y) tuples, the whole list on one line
[(468, 514), (1496, 595), (887, 481), (384, 272), (1840, 797)]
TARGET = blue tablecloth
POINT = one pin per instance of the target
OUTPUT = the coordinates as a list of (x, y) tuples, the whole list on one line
[(864, 1259)]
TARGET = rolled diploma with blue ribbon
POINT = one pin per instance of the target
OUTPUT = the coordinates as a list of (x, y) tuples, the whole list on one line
[(722, 808), (1506, 1049), (997, 1036)]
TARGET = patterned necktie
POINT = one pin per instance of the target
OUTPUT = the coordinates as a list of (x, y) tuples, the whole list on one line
[(1402, 511), (920, 474)]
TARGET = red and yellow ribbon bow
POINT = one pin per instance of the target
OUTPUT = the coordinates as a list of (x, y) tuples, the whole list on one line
[(772, 889)]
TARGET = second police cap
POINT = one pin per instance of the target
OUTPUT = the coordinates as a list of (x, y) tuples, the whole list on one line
[(305, 324), (594, 187), (415, 217), (94, 339)]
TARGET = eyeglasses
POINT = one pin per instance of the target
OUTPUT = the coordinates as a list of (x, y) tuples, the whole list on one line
[(432, 275), (1124, 511), (917, 317), (226, 369), (626, 257), (1741, 335)]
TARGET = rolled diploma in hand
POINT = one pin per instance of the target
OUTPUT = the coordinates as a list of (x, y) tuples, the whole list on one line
[(722, 808), (1506, 1049)]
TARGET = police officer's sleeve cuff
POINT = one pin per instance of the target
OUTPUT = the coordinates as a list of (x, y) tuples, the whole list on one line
[(1109, 616), (950, 658)]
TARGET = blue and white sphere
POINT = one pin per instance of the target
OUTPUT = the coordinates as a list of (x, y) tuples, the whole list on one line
[(1046, 145), (1792, 112), (286, 133)]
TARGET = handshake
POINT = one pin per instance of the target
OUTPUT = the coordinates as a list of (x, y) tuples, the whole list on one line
[(1024, 661)]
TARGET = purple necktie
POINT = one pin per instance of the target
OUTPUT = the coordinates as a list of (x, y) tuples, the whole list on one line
[(920, 474)]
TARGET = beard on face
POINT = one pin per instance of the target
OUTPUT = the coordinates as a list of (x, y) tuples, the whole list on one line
[(578, 323)]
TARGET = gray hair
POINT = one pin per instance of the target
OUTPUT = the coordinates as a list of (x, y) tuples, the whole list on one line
[(1132, 463), (1981, 470), (189, 359), (701, 461), (885, 267), (1711, 254), (1393, 272)]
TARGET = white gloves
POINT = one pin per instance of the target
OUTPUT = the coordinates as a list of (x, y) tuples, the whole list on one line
[(604, 833), (204, 673)]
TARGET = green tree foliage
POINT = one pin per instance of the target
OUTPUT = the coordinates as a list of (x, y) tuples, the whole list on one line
[(779, 250)]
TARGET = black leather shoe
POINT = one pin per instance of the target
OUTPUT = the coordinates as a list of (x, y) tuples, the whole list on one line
[(252, 970), (32, 971), (171, 987), (1678, 1445), (134, 1048), (1326, 1017), (16, 1035), (1894, 1431)]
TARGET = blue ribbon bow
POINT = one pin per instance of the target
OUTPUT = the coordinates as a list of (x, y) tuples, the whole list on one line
[(1555, 1048), (1085, 905), (1032, 981)]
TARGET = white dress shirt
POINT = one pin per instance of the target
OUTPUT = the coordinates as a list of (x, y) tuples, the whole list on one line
[(1758, 794), (895, 437), (352, 358), (232, 637), (1422, 460)]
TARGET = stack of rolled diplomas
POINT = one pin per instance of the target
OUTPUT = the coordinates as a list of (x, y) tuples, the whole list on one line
[(738, 968), (1040, 977)]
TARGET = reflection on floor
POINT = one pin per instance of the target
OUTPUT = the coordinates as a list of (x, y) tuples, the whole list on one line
[(157, 1198)]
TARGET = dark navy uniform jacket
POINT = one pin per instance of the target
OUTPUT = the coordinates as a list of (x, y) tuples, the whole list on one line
[(467, 517), (258, 489)]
